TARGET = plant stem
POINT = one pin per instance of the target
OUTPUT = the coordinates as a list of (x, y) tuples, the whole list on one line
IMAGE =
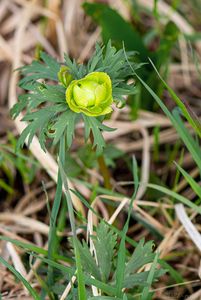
[(105, 172), (52, 238), (103, 167), (80, 275)]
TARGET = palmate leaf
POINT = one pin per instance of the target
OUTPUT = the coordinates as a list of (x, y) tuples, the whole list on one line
[(104, 243), (39, 122), (65, 124), (110, 61), (47, 69), (93, 125), (47, 112), (40, 93), (117, 65), (142, 255), (76, 70), (140, 279), (88, 261), (19, 106)]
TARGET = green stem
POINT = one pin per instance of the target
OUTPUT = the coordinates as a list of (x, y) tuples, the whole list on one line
[(103, 167), (52, 238), (105, 172), (80, 275)]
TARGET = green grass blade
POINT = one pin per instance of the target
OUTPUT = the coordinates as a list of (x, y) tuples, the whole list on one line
[(119, 232), (177, 123), (52, 238), (24, 245), (104, 298), (5, 186), (122, 249), (176, 196), (146, 291), (35, 249), (136, 179), (195, 123), (21, 278), (43, 284), (187, 138), (174, 274), (121, 264), (158, 100), (105, 288), (80, 274), (194, 185)]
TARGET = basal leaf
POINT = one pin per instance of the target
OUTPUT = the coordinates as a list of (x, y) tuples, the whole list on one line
[(65, 123), (94, 125), (39, 122), (47, 69), (104, 242), (88, 261), (140, 279), (142, 255)]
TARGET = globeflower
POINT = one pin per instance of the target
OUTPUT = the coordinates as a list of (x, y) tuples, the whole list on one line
[(91, 95)]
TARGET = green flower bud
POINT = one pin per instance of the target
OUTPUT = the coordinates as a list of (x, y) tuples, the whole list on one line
[(91, 95), (64, 76)]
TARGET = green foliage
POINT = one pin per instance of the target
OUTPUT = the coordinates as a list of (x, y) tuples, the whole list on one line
[(95, 126), (88, 261), (65, 124), (89, 158), (177, 122), (53, 240), (46, 110), (113, 270), (140, 279), (39, 121), (194, 185), (11, 163), (146, 294), (191, 144), (40, 93), (190, 116), (113, 259), (79, 263), (21, 278), (141, 256), (48, 68), (105, 247), (114, 27), (107, 251), (104, 242)]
